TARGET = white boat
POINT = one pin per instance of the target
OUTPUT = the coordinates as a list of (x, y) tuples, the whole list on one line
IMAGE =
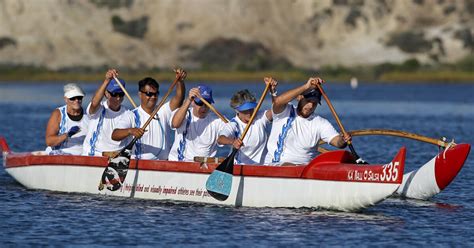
[(330, 181)]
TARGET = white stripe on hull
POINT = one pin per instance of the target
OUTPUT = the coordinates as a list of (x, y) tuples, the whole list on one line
[(180, 186)]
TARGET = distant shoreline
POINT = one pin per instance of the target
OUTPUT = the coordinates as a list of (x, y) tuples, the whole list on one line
[(242, 76)]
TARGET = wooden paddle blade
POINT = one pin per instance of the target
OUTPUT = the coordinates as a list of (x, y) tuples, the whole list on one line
[(219, 183), (116, 171)]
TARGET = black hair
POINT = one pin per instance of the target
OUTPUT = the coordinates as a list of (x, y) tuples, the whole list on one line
[(148, 81)]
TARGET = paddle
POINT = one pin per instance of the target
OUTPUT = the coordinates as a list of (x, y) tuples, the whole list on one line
[(116, 171), (214, 110), (333, 111), (219, 183), (125, 91)]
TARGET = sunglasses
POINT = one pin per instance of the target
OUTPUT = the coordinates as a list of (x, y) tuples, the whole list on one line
[(120, 94), (150, 94), (72, 99), (200, 104)]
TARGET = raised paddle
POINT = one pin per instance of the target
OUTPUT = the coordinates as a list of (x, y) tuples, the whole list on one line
[(214, 110), (219, 183), (333, 111), (116, 171), (125, 91)]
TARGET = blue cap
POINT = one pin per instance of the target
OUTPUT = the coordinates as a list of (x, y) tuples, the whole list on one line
[(114, 87), (206, 93), (246, 106), (313, 94)]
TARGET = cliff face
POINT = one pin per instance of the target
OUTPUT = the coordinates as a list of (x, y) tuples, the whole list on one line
[(234, 33)]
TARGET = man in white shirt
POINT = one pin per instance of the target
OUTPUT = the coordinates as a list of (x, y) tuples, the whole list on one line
[(296, 130), (196, 130), (104, 116), (155, 142)]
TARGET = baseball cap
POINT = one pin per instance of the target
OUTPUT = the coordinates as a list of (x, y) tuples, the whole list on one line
[(71, 90), (206, 93), (313, 94), (114, 87)]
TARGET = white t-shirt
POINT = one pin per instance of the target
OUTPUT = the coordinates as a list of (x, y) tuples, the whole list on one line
[(156, 141), (72, 145), (301, 142), (254, 149), (102, 124), (201, 137)]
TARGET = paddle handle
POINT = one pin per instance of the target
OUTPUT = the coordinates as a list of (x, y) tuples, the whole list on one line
[(125, 91), (333, 111), (214, 109), (255, 112)]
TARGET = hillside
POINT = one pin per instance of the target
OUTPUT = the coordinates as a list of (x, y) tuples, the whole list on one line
[(232, 34)]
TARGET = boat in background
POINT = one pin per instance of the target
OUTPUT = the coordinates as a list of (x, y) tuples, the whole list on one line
[(330, 181)]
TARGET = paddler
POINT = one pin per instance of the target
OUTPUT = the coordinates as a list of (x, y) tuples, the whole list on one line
[(252, 149), (296, 130), (67, 125), (196, 130), (104, 116), (155, 142)]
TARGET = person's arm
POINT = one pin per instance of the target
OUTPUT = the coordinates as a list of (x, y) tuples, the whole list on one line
[(180, 115), (178, 98), (280, 102), (340, 141), (124, 128), (52, 129), (273, 86), (99, 94), (224, 140), (273, 94), (227, 135), (119, 134)]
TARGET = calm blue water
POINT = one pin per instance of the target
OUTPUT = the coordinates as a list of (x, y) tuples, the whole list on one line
[(29, 217)]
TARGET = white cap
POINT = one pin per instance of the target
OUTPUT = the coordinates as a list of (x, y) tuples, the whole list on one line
[(71, 90)]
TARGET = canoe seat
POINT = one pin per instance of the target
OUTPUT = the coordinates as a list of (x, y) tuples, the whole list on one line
[(328, 158)]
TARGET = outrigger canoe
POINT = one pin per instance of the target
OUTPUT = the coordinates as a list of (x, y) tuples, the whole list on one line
[(331, 181)]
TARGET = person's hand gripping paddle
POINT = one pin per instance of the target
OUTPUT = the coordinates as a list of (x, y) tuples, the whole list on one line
[(219, 183), (333, 111)]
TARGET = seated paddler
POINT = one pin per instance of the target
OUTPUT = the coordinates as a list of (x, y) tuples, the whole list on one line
[(297, 129), (155, 141), (252, 149), (67, 125), (104, 115), (196, 129)]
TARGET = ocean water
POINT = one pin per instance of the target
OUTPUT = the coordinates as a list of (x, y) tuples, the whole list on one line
[(36, 218)]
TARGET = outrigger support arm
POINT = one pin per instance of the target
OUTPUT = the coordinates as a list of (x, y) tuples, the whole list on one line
[(397, 133)]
